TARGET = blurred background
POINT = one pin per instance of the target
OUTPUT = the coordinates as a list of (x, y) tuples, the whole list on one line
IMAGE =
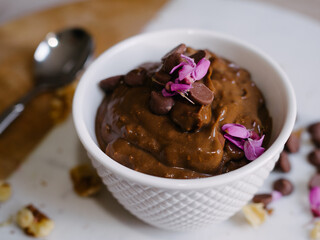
[(11, 9)]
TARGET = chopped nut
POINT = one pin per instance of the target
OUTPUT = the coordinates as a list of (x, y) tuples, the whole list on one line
[(86, 181), (315, 232), (255, 213), (34, 222), (5, 191), (61, 103)]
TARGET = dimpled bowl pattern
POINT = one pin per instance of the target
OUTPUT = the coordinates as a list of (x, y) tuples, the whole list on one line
[(180, 204), (183, 210)]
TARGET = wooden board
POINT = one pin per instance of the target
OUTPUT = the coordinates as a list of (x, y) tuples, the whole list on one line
[(109, 21)]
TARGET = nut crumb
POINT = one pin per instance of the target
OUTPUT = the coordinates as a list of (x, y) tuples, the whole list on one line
[(34, 222), (86, 181), (61, 103), (5, 191), (255, 213), (7, 222), (315, 232)]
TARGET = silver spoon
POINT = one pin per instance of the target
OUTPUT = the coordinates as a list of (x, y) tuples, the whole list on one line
[(57, 60)]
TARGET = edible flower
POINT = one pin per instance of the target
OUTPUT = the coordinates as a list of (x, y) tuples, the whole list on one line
[(276, 195), (314, 199), (189, 73), (247, 140)]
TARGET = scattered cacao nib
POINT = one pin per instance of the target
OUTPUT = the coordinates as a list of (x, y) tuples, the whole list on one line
[(109, 84), (314, 158), (283, 164), (293, 143), (135, 77), (314, 181), (264, 198), (180, 49), (284, 186), (159, 104), (314, 130), (201, 94)]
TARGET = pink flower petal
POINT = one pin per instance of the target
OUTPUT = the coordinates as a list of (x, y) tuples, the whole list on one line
[(254, 135), (236, 141), (189, 60), (236, 130), (276, 195), (251, 151), (165, 93), (176, 67), (188, 80), (185, 71), (201, 69), (257, 142), (180, 87), (314, 199)]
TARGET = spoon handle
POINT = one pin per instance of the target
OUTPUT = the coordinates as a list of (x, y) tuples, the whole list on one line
[(14, 111)]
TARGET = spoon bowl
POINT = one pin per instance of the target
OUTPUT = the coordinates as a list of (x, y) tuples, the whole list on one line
[(60, 56), (57, 60)]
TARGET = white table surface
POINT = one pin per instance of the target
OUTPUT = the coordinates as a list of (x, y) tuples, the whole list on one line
[(289, 33)]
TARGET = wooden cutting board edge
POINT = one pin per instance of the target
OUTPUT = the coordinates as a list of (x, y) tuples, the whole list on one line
[(108, 21)]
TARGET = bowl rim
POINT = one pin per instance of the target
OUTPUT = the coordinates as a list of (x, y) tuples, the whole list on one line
[(185, 184)]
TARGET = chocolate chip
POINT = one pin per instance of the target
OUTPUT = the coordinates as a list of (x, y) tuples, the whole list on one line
[(161, 77), (283, 186), (201, 94), (314, 181), (109, 84), (180, 49), (135, 77), (293, 143), (159, 104), (314, 158), (171, 61), (198, 56), (314, 130), (283, 163), (265, 198)]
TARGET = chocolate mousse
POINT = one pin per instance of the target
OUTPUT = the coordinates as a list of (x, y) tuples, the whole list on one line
[(192, 115)]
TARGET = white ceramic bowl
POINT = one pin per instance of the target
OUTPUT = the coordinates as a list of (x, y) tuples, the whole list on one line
[(184, 204)]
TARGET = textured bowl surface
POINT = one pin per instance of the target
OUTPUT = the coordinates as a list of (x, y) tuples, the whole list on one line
[(184, 204)]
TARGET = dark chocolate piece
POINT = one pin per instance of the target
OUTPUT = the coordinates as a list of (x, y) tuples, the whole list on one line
[(283, 163), (314, 181), (161, 77), (109, 84), (293, 143), (314, 130), (159, 104), (198, 55), (135, 77), (201, 94), (265, 198), (284, 186), (314, 158), (180, 49), (171, 61)]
